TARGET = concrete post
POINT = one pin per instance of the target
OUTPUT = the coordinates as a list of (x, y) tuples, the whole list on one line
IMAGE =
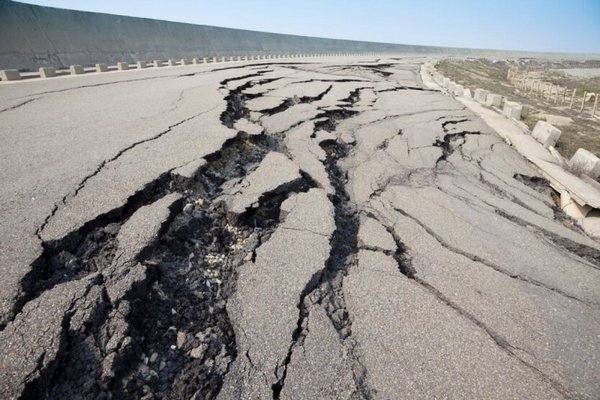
[(582, 102), (122, 66), (184, 61), (493, 100), (10, 75), (171, 62), (595, 105), (101, 68), (47, 72), (157, 63), (215, 59), (545, 133), (564, 95), (76, 69), (141, 64), (512, 110), (572, 98), (205, 60), (584, 162), (480, 95)]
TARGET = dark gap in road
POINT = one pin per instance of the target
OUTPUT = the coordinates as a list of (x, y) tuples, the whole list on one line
[(401, 254), (399, 88), (325, 287), (327, 119), (86, 250), (287, 103), (197, 262), (94, 247), (537, 183), (236, 99), (341, 80), (191, 273), (261, 72), (451, 142)]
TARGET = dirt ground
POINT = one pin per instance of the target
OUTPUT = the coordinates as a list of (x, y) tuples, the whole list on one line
[(579, 130)]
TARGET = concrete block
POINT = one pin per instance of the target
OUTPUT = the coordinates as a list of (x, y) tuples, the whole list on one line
[(158, 63), (215, 59), (141, 64), (512, 109), (445, 82), (10, 75), (47, 72), (546, 133), (101, 68), (76, 69), (493, 100), (122, 66), (171, 62), (480, 95), (184, 61), (584, 162), (571, 207), (205, 60), (459, 90), (467, 93)]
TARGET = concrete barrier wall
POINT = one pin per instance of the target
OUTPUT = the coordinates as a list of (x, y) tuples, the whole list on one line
[(34, 36)]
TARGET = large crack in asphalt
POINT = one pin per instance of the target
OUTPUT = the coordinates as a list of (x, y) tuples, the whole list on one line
[(325, 287), (176, 338)]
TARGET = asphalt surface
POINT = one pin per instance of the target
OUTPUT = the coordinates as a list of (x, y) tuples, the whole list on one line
[(329, 229)]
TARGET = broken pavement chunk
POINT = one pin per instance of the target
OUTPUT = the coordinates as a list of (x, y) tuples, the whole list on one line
[(274, 171)]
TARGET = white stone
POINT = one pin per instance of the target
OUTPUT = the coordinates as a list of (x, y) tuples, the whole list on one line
[(184, 61), (459, 90), (141, 64), (493, 100), (585, 162), (47, 72), (10, 75), (480, 95), (171, 63), (101, 68), (122, 66), (546, 133), (571, 207), (158, 63), (512, 110), (76, 70)]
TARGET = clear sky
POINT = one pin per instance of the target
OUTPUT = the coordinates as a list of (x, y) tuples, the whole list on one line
[(537, 25)]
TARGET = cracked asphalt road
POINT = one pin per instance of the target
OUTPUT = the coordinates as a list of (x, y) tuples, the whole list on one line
[(327, 229)]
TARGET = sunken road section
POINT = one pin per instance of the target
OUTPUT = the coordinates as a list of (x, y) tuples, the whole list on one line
[(286, 231)]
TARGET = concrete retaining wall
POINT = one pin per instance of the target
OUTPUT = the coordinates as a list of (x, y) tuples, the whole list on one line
[(34, 36)]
